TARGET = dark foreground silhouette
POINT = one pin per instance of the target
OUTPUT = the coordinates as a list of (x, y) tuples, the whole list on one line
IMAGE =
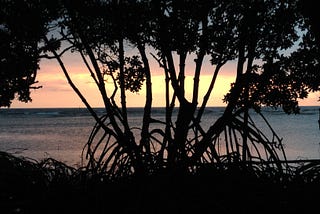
[(53, 187)]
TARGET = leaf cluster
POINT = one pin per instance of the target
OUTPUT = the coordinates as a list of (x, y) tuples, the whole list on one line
[(22, 24)]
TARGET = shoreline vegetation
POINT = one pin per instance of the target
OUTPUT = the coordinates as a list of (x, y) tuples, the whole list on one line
[(50, 186)]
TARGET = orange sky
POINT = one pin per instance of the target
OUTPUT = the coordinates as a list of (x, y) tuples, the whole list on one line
[(57, 93)]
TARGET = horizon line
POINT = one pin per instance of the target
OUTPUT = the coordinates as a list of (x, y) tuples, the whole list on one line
[(83, 107)]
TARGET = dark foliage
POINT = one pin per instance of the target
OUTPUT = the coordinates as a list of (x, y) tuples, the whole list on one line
[(50, 186), (22, 24)]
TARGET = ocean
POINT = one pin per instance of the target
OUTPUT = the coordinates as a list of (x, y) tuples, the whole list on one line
[(61, 133)]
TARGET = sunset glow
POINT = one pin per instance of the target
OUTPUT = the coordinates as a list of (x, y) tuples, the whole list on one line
[(56, 91)]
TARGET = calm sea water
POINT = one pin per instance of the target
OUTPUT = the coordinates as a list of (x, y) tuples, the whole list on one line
[(61, 133)]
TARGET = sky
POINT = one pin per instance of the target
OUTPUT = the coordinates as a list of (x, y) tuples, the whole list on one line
[(56, 92)]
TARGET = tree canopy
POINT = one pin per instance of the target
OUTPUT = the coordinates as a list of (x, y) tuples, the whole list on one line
[(272, 42)]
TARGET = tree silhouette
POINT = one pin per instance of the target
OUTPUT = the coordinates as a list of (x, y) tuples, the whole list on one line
[(271, 41), (19, 50)]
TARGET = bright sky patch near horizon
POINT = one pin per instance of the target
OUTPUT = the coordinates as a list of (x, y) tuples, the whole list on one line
[(56, 92)]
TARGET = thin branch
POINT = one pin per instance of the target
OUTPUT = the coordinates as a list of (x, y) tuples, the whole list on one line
[(46, 56), (148, 103), (88, 67), (207, 95), (73, 86)]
